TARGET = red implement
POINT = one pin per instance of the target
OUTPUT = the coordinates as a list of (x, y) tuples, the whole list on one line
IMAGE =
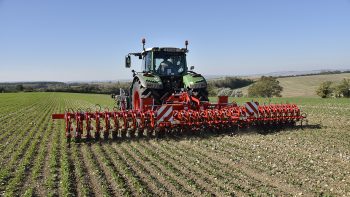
[(180, 113)]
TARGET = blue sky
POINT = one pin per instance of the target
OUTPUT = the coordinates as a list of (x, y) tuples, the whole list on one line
[(87, 40)]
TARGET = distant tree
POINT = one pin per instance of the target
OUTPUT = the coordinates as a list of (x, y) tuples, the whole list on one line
[(325, 89), (19, 87), (265, 87), (343, 89), (2, 90)]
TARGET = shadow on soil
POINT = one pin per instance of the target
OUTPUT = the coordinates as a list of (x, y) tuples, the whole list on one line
[(203, 134)]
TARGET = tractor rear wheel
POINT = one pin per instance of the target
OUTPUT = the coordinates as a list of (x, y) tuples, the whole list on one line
[(139, 92), (201, 94), (136, 95)]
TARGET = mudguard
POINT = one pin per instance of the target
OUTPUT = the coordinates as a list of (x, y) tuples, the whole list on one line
[(149, 80), (194, 81)]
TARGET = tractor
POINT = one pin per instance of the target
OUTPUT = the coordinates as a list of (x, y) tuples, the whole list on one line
[(164, 72)]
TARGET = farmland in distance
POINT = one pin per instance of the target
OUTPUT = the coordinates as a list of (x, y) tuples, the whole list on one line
[(305, 86), (36, 161)]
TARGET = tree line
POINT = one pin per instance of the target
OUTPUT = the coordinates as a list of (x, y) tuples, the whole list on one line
[(264, 87), (97, 88), (109, 87)]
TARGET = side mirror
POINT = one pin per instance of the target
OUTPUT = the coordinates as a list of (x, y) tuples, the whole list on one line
[(192, 67), (127, 61)]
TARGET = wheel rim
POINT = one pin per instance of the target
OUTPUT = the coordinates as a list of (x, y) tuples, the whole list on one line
[(136, 100)]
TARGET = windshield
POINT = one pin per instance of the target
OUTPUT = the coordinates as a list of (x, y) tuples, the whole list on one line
[(169, 63)]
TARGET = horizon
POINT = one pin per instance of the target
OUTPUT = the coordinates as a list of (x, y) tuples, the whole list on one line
[(87, 41)]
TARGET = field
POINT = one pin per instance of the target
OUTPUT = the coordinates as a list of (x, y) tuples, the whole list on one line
[(36, 161), (305, 86)]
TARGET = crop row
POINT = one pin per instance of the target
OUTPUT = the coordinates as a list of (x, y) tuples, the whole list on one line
[(19, 158)]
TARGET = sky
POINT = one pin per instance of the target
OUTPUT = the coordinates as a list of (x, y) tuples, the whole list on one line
[(86, 40)]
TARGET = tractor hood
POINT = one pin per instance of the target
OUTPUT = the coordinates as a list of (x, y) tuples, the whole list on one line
[(194, 81), (150, 80)]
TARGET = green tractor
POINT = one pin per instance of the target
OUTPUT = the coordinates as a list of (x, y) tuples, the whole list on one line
[(164, 72)]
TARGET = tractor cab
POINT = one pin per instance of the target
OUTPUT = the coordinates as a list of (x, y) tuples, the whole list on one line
[(164, 61)]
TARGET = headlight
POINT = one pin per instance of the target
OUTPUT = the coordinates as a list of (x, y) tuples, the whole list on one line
[(198, 85), (154, 85)]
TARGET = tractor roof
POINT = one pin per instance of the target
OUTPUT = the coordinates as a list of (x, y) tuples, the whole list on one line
[(166, 49)]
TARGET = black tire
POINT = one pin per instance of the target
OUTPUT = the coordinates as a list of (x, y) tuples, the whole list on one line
[(138, 92)]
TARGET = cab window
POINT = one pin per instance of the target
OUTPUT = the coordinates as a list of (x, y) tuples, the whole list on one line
[(147, 62)]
